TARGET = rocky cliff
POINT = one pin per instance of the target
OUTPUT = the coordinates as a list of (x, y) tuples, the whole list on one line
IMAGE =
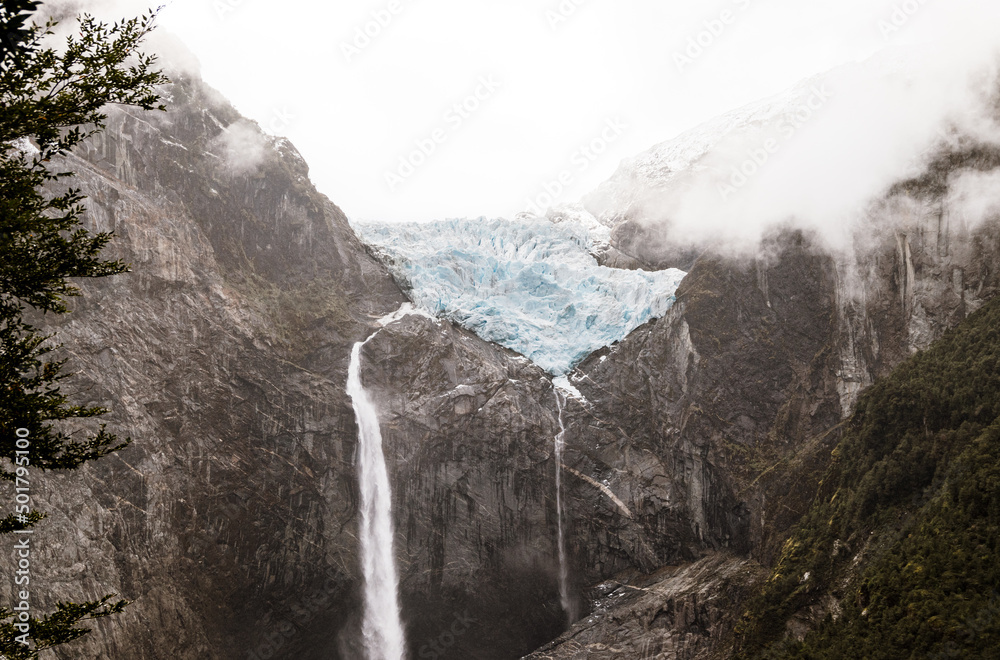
[(677, 612), (715, 423), (222, 355), (230, 521)]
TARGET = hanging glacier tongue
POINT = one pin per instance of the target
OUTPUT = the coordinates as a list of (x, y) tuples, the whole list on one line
[(528, 284)]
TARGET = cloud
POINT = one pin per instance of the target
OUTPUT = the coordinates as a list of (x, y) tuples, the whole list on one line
[(872, 131), (173, 55), (974, 198), (244, 146), (816, 156)]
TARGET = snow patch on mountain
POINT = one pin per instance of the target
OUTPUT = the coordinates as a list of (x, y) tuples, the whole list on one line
[(639, 178), (813, 157)]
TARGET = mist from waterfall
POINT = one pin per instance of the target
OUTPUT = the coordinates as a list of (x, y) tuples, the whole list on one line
[(382, 626)]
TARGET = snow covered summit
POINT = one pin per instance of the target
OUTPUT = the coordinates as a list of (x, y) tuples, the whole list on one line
[(528, 284)]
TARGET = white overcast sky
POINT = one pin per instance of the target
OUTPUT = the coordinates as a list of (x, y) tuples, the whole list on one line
[(558, 82)]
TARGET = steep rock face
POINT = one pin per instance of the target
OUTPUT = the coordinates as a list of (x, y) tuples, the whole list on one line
[(706, 430), (714, 424), (925, 262), (468, 430), (899, 541), (679, 410), (230, 522), (677, 613), (223, 355)]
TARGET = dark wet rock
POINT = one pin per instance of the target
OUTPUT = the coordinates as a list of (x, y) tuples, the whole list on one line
[(681, 612), (231, 520)]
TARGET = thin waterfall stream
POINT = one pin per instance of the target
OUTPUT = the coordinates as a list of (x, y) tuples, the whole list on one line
[(567, 603)]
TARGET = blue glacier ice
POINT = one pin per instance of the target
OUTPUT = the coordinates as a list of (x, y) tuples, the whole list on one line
[(529, 284)]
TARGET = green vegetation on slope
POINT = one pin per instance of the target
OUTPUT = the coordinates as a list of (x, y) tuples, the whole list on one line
[(905, 531)]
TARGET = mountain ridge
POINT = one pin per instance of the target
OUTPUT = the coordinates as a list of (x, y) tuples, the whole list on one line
[(230, 521)]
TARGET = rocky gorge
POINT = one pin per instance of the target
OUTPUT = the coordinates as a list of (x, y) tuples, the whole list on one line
[(697, 442)]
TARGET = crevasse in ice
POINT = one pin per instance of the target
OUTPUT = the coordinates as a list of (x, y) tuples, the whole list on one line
[(528, 284)]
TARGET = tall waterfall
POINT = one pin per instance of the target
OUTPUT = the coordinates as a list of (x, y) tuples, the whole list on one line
[(564, 598), (382, 626)]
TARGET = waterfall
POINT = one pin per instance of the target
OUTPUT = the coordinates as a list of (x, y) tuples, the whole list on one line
[(564, 598), (382, 627)]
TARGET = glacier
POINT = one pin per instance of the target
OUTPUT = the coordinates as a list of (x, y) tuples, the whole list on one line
[(529, 284)]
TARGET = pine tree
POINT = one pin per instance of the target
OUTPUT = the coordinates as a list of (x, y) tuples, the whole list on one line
[(50, 101)]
